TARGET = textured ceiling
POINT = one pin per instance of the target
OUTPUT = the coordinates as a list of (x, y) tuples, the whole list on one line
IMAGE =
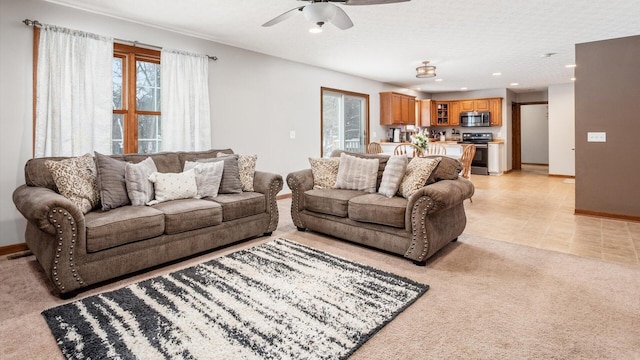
[(467, 40)]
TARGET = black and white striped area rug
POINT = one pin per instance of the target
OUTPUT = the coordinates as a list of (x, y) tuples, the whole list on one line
[(278, 300)]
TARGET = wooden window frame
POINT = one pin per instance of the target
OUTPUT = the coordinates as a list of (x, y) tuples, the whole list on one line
[(129, 55)]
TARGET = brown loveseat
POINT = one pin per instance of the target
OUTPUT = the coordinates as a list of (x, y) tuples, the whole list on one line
[(415, 228), (76, 250)]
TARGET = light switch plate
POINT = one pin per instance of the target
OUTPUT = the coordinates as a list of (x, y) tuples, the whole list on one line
[(596, 136)]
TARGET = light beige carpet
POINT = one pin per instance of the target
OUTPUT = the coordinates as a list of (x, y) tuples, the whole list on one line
[(488, 300)]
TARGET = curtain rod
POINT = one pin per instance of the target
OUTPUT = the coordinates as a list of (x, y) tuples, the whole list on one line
[(36, 23)]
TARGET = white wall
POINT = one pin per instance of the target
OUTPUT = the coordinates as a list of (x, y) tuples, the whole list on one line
[(562, 130), (255, 99), (534, 124)]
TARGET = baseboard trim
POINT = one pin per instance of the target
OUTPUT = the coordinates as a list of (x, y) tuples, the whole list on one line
[(540, 164), (283, 196), (508, 171), (10, 249), (563, 176), (606, 215)]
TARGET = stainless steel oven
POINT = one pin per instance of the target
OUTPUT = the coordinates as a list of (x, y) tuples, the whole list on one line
[(480, 162)]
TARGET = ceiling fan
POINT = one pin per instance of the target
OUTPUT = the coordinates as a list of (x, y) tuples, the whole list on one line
[(322, 11)]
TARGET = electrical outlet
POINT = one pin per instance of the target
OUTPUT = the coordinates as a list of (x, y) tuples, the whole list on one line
[(596, 137), (292, 134)]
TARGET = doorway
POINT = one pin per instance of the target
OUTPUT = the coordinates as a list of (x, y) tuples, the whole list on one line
[(516, 127)]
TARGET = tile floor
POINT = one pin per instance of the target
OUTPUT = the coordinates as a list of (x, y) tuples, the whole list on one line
[(530, 208)]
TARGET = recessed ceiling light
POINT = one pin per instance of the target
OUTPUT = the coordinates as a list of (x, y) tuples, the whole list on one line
[(315, 30), (463, 88), (438, 80), (496, 74), (570, 66), (514, 84)]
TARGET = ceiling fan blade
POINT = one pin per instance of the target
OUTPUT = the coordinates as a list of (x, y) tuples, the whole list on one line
[(371, 2), (283, 16), (341, 20)]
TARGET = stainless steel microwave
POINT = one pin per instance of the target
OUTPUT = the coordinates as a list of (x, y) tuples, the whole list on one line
[(475, 118)]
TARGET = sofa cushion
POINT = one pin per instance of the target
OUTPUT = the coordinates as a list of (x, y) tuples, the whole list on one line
[(111, 182), (378, 209), (165, 162), (236, 206), (185, 156), (123, 225), (357, 174), (136, 176), (76, 180), (447, 169), (189, 214), (330, 201), (325, 172), (392, 175)]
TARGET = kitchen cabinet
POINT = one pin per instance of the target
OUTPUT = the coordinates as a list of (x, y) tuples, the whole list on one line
[(474, 105), (423, 113), (495, 108), (454, 113), (440, 113), (397, 109), (495, 159)]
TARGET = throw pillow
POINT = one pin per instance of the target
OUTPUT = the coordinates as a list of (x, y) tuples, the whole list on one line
[(76, 180), (136, 176), (325, 172), (208, 177), (111, 183), (393, 175), (357, 174), (447, 169), (174, 186), (246, 168), (230, 183), (416, 175)]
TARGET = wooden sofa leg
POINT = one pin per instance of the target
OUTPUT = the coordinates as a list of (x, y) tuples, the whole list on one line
[(301, 228), (420, 263), (454, 240)]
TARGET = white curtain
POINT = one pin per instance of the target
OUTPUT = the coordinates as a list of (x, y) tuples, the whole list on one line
[(73, 93), (186, 123)]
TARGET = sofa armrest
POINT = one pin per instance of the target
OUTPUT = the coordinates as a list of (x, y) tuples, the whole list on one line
[(36, 204), (270, 185), (299, 182), (436, 197)]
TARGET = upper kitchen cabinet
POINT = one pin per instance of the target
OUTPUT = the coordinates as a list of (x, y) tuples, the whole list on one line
[(474, 105), (495, 107), (423, 113), (454, 113), (397, 109), (440, 113)]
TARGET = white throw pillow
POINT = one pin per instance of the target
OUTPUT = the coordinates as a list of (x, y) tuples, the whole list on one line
[(173, 186), (208, 176), (356, 173), (392, 175), (136, 177)]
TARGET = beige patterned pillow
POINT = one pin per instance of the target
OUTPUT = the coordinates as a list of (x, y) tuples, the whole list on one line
[(325, 172), (416, 175), (76, 180)]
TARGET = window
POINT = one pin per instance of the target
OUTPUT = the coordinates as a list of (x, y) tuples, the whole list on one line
[(136, 100), (345, 121)]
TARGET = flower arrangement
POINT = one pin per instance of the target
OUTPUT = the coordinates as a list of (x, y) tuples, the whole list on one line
[(421, 140)]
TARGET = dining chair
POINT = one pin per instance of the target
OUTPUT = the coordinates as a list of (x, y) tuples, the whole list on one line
[(408, 149), (466, 158), (374, 148), (435, 148)]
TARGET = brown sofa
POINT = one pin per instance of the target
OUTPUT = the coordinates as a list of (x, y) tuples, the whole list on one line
[(415, 228), (76, 250)]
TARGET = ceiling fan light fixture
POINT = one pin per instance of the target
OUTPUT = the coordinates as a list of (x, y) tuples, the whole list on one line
[(319, 12), (426, 70), (316, 29)]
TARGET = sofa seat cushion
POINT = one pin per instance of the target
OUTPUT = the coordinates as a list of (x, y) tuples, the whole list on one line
[(121, 226), (378, 209), (236, 206), (189, 214), (330, 201)]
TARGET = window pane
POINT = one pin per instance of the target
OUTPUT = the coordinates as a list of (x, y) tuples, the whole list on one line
[(117, 134), (149, 135), (354, 124), (330, 122), (117, 83), (343, 122), (147, 86)]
